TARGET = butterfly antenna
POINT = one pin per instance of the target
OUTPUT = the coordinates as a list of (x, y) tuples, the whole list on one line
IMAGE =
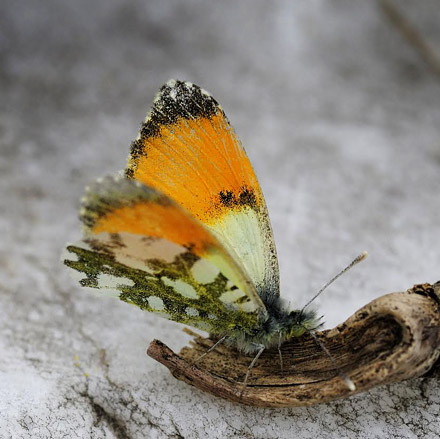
[(348, 382), (356, 261)]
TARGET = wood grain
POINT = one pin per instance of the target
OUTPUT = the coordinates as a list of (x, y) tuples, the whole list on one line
[(393, 338)]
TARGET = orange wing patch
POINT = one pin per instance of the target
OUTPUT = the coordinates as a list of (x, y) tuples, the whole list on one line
[(199, 163), (158, 221), (131, 208)]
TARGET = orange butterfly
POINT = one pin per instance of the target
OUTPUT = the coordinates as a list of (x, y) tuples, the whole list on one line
[(184, 232)]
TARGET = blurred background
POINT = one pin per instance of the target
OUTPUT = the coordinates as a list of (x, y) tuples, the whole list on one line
[(337, 104)]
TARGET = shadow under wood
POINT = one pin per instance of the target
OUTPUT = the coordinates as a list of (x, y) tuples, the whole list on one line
[(393, 338)]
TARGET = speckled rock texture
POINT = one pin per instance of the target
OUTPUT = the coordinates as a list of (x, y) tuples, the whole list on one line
[(341, 119)]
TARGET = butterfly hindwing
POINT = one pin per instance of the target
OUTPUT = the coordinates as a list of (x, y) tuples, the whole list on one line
[(188, 150), (148, 251)]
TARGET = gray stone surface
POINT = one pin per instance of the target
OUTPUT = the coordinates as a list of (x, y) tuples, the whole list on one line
[(341, 120)]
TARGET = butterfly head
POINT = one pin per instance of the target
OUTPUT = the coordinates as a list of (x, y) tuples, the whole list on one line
[(296, 323), (284, 324)]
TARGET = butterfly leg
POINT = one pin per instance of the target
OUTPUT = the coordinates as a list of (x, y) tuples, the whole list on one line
[(260, 348), (279, 352), (220, 341)]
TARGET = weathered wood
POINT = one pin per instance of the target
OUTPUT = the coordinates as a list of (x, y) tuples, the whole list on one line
[(393, 338)]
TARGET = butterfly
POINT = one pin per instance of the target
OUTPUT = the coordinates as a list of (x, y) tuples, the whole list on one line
[(184, 231)]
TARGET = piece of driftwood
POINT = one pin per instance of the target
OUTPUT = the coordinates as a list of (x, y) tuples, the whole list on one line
[(393, 338)]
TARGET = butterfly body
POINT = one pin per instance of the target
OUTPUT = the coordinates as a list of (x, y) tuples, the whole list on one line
[(184, 232), (281, 325)]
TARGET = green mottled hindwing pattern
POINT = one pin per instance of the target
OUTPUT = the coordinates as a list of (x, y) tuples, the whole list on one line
[(164, 278)]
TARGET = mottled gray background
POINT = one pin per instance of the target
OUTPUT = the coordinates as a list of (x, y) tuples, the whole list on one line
[(341, 119)]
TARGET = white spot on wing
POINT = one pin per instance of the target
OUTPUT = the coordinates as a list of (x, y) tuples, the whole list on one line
[(231, 296), (181, 287), (110, 281), (204, 272), (248, 306), (156, 303), (191, 312), (173, 94)]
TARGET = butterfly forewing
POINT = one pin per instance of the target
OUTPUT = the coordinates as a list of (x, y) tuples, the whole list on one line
[(188, 150)]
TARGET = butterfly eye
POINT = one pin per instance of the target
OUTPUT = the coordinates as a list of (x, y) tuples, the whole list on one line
[(297, 331)]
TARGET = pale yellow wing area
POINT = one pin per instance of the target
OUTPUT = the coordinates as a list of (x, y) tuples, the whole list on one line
[(188, 150)]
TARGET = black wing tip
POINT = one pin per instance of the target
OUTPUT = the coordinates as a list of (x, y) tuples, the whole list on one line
[(175, 100), (178, 100)]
